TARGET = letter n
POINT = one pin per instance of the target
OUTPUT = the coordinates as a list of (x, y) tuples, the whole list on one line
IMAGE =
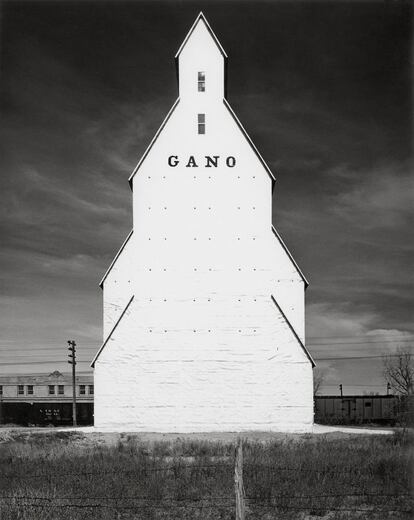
[(211, 161)]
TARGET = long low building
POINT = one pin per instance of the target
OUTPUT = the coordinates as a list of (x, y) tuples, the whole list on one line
[(41, 399), (46, 399)]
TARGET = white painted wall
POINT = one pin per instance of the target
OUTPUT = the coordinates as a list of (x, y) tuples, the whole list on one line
[(117, 289), (202, 347)]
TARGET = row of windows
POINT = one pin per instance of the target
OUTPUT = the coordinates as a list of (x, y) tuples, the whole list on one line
[(201, 83), (82, 389), (201, 123), (52, 389), (61, 390)]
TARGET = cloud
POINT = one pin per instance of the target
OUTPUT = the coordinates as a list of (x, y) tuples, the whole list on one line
[(380, 198), (78, 111), (338, 332)]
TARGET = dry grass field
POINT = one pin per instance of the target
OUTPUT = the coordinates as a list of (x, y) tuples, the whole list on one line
[(71, 475)]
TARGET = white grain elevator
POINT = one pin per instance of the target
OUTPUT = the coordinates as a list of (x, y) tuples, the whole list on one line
[(203, 303)]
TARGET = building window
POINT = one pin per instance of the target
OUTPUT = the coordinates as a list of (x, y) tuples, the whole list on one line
[(82, 389), (201, 123), (90, 389), (1, 389), (29, 389), (51, 390), (20, 389), (61, 389), (201, 82)]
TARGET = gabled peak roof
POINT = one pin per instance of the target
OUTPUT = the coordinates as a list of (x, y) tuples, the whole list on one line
[(201, 19)]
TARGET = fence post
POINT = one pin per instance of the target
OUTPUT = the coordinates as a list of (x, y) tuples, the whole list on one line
[(238, 481)]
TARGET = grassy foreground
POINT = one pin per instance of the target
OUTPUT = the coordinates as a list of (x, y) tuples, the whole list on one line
[(69, 475)]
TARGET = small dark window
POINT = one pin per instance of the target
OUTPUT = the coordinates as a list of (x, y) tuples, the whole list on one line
[(51, 389), (61, 389), (20, 389), (1, 389), (201, 82), (82, 389), (368, 404), (29, 389), (201, 123), (91, 389)]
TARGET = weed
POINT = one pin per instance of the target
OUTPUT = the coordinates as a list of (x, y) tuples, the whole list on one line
[(68, 477)]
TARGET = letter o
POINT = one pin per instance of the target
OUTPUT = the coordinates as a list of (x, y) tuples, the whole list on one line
[(230, 161)]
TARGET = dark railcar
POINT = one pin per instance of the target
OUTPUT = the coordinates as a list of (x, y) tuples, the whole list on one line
[(360, 409), (42, 414)]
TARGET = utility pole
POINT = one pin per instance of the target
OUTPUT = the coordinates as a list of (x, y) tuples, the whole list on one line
[(340, 388), (72, 361)]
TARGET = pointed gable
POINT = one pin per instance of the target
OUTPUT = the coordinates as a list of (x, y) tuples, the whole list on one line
[(201, 55), (201, 20)]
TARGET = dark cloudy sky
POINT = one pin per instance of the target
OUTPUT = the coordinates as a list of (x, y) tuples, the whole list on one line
[(322, 88)]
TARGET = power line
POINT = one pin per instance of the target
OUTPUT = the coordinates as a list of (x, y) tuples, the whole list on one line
[(96, 346), (43, 362), (353, 384), (359, 342), (363, 336), (355, 357)]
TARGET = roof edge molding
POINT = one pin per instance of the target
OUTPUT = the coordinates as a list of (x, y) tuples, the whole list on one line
[(210, 30), (124, 243), (246, 135), (110, 334), (153, 141), (306, 351), (275, 232)]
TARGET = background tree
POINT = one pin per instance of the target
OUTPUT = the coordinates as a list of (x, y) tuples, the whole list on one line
[(398, 371), (318, 379)]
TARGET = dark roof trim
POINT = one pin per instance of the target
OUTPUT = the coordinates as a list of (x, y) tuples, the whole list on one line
[(210, 30), (355, 396), (246, 135), (294, 332), (290, 256), (110, 334), (115, 259), (153, 141)]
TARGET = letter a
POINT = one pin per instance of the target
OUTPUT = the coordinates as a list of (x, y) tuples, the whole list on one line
[(191, 162)]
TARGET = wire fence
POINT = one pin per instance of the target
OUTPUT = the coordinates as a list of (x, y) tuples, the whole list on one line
[(366, 502), (195, 467), (183, 486)]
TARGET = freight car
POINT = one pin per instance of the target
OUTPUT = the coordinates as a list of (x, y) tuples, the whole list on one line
[(359, 409), (46, 413)]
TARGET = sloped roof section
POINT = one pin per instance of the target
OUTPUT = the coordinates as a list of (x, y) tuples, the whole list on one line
[(275, 232), (116, 258), (246, 135), (201, 18), (153, 141), (110, 334), (306, 351)]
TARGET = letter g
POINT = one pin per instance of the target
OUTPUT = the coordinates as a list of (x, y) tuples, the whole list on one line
[(173, 160)]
